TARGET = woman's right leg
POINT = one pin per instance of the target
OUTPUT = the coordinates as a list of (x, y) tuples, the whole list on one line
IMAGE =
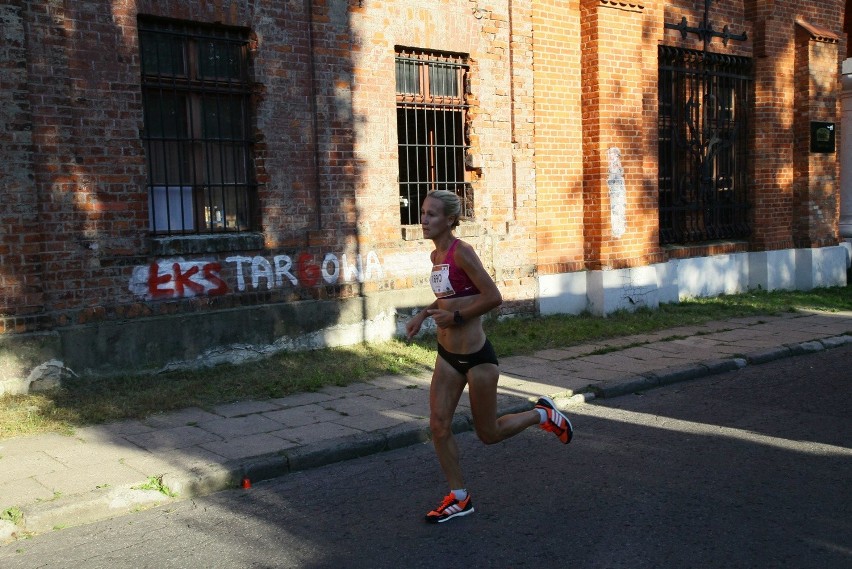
[(444, 394)]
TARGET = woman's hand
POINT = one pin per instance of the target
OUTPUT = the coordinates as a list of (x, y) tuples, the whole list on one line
[(412, 327), (442, 318)]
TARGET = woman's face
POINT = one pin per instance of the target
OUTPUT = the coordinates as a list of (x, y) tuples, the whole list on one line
[(433, 220)]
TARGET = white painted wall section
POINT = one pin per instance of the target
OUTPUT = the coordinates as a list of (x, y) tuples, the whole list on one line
[(562, 294), (623, 289), (712, 276)]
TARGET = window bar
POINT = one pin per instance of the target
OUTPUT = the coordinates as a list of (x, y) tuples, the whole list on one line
[(223, 176), (224, 141), (150, 149), (207, 188), (446, 149), (206, 137), (431, 148), (416, 150), (164, 144), (184, 145)]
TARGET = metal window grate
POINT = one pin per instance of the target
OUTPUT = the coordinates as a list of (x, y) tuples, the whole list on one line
[(196, 95), (431, 114), (704, 102)]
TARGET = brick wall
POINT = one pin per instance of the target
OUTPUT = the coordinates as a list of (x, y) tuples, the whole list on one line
[(562, 124), (326, 156), (776, 209), (619, 167), (815, 197), (20, 284), (559, 136)]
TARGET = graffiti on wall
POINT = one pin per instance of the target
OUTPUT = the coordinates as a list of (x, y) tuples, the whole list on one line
[(617, 193), (177, 278)]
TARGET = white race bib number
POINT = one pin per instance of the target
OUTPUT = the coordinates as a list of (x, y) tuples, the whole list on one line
[(440, 281)]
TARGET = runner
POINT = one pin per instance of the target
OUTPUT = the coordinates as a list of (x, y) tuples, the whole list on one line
[(465, 292)]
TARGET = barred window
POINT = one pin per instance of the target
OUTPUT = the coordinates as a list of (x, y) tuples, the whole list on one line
[(430, 115), (703, 141), (196, 97)]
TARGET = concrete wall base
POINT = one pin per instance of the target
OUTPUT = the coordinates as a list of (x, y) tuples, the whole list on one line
[(29, 362), (604, 292)]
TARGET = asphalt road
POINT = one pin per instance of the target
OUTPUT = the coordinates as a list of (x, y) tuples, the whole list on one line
[(747, 469)]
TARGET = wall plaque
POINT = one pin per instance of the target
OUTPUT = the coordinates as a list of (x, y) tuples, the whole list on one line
[(822, 136)]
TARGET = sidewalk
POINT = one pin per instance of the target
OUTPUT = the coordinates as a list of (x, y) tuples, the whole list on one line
[(57, 481)]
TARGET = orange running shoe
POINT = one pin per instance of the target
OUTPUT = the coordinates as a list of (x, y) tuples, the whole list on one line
[(450, 508), (556, 422)]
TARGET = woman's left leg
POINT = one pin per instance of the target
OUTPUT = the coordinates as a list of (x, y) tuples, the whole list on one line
[(482, 389), (444, 394)]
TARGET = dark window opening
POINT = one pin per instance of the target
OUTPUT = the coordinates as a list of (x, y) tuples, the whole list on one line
[(196, 101), (431, 129), (704, 101)]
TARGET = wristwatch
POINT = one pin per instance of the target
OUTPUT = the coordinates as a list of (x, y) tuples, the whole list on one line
[(457, 317)]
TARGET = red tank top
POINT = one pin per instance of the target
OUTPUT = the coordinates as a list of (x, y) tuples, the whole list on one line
[(450, 281)]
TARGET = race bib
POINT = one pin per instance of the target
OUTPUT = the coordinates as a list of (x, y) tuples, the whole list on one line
[(440, 281)]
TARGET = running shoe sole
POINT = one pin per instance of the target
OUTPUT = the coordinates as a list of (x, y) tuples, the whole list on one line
[(451, 516)]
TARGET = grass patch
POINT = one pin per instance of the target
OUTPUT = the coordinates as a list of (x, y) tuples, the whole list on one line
[(93, 401), (156, 483), (13, 514)]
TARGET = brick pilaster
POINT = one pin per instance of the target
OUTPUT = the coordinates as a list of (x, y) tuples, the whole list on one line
[(619, 181)]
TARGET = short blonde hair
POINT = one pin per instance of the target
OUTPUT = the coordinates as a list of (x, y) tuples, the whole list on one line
[(452, 203)]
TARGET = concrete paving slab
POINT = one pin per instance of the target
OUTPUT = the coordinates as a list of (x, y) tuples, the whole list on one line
[(617, 362), (98, 475), (242, 408), (403, 397), (393, 382), (304, 415), (694, 355), (552, 370), (590, 372), (556, 354), (375, 422), (15, 468), (648, 352), (252, 445), (707, 342), (315, 433), (240, 426), (184, 417), (360, 404), (22, 446), (300, 399), (112, 430), (81, 455), (342, 391), (172, 438), (516, 363), (23, 491), (181, 461), (738, 335)]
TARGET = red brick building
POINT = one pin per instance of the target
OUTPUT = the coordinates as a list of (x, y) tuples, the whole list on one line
[(185, 183)]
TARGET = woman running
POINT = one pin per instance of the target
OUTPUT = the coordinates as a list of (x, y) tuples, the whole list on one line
[(465, 292)]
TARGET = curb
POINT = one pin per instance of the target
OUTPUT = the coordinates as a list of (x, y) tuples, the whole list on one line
[(650, 380)]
